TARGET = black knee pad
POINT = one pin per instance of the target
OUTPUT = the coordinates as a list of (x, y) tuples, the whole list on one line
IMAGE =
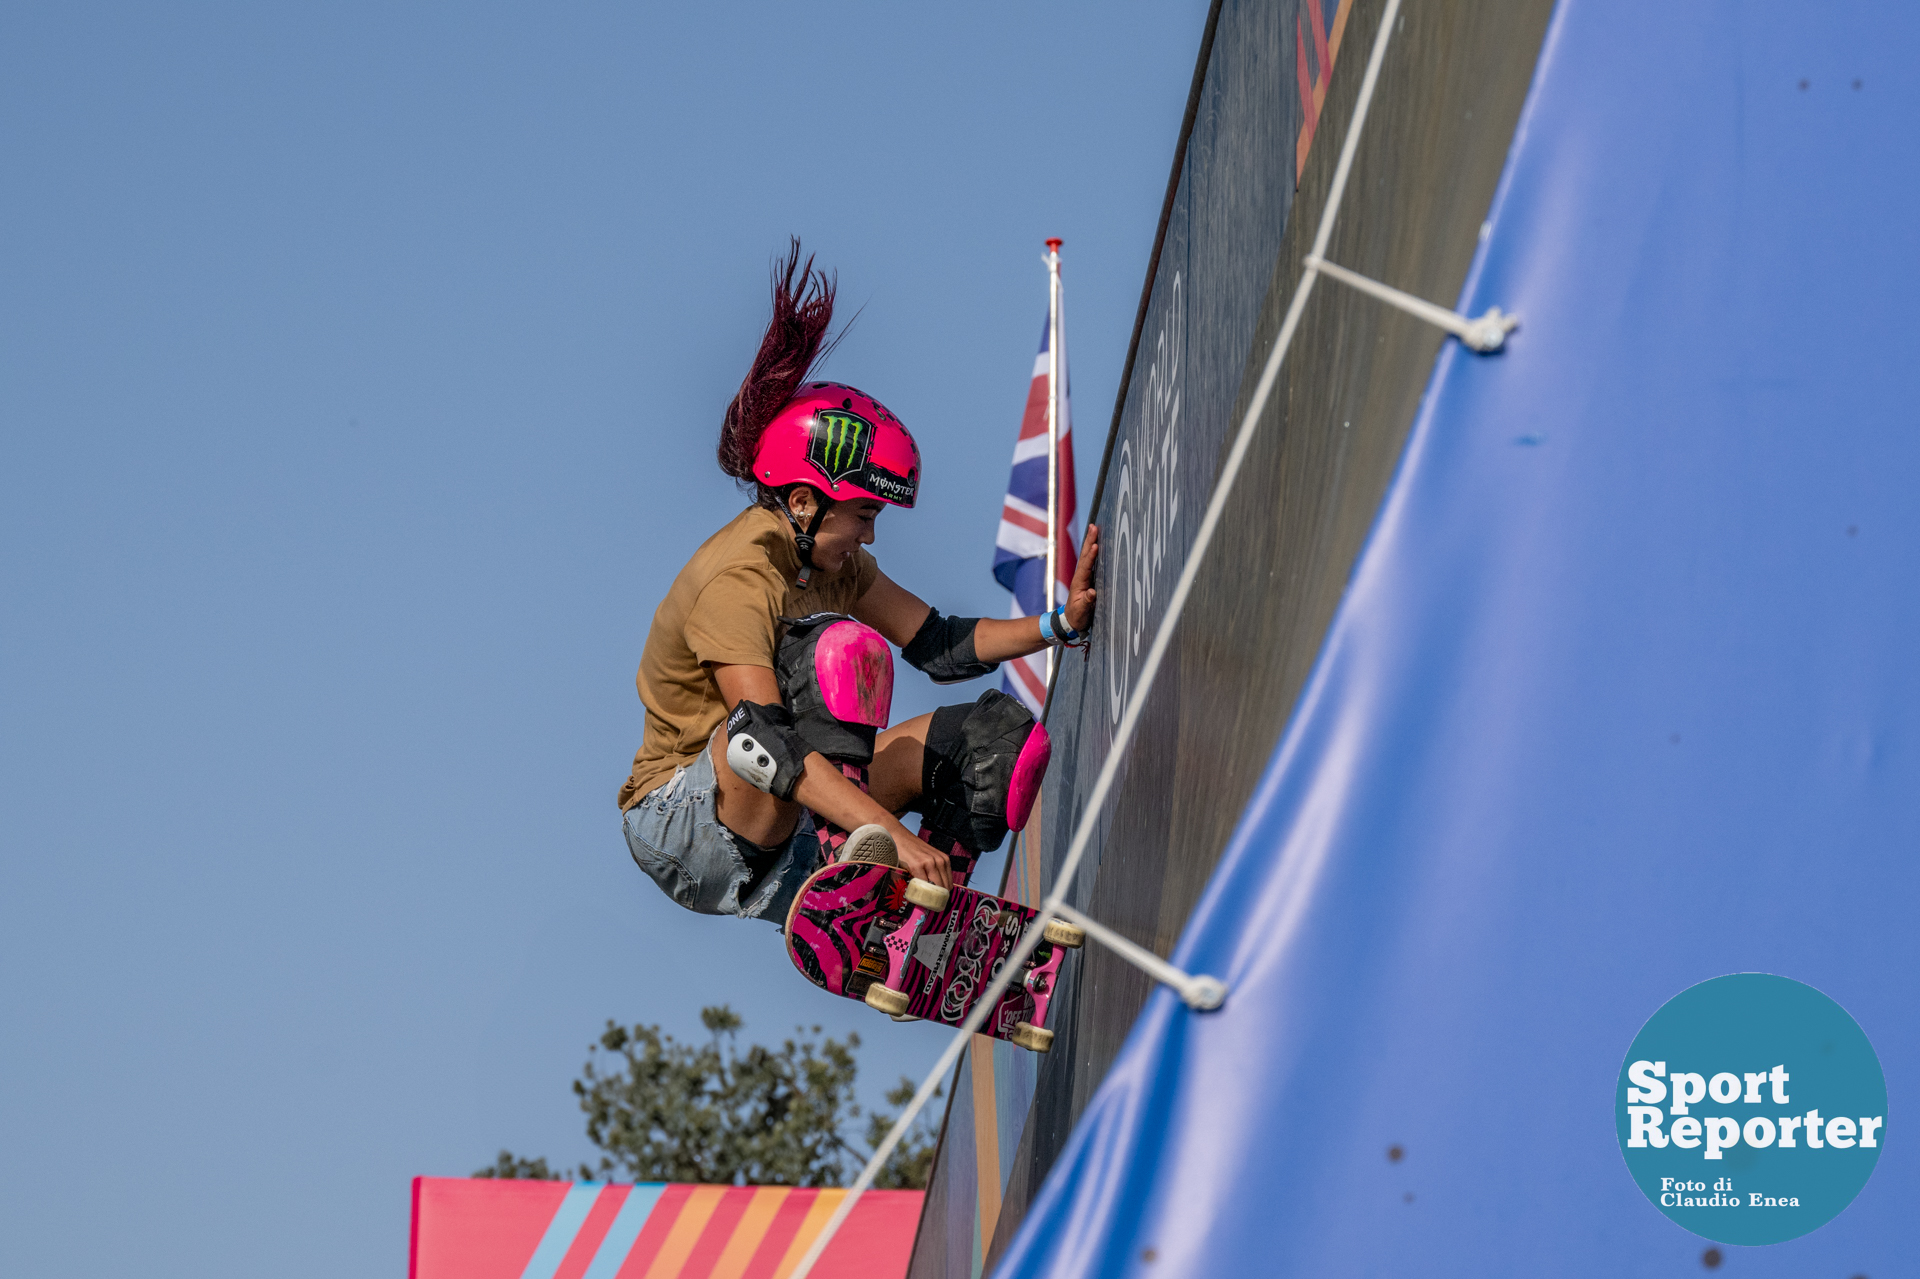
[(836, 676), (981, 770)]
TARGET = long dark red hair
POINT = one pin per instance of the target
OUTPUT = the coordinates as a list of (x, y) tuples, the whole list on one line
[(792, 345)]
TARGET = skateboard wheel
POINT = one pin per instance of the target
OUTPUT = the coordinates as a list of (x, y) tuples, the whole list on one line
[(1032, 1038), (887, 1000), (1061, 933), (922, 893)]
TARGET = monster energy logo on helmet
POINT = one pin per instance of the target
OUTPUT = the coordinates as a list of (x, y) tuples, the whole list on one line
[(840, 447), (838, 443)]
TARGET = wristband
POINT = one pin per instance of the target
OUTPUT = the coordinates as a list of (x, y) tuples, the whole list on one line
[(1054, 628)]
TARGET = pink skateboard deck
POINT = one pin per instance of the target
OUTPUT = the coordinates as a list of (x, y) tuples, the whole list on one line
[(852, 928)]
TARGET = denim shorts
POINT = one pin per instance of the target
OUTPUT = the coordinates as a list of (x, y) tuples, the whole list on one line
[(676, 838)]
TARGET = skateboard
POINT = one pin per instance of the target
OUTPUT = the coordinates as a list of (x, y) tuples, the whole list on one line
[(914, 949)]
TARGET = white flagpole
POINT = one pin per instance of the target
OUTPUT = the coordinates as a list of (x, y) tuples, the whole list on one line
[(1054, 390)]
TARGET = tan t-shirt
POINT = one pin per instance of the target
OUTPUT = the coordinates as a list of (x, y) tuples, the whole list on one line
[(725, 607)]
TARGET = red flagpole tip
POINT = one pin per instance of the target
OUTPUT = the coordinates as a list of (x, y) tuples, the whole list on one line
[(1054, 245)]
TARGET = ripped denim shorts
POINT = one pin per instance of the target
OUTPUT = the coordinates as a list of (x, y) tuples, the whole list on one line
[(677, 839)]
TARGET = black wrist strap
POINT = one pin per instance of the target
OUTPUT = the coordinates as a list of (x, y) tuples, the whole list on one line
[(1068, 637)]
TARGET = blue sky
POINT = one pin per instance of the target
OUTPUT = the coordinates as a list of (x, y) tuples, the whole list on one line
[(360, 368)]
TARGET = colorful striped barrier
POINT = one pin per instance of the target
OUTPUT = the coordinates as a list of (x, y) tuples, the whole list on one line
[(483, 1229)]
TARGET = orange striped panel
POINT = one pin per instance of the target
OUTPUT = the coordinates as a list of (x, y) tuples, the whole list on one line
[(825, 1201), (787, 1220), (763, 1205), (718, 1233), (592, 1231), (1033, 848), (660, 1222), (486, 1229), (678, 1245), (986, 1138), (1313, 93)]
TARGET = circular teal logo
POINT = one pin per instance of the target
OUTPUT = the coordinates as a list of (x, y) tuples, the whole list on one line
[(1751, 1109)]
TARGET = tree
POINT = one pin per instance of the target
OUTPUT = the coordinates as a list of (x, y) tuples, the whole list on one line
[(911, 1164), (510, 1167), (662, 1110)]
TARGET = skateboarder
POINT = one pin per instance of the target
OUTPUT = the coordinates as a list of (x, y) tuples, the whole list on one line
[(725, 664)]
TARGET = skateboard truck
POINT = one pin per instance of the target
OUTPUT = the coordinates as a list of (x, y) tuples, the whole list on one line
[(1198, 991), (894, 992)]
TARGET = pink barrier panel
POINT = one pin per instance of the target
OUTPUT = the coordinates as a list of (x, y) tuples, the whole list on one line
[(482, 1229)]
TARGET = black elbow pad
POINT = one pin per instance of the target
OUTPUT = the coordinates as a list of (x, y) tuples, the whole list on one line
[(763, 749), (943, 648)]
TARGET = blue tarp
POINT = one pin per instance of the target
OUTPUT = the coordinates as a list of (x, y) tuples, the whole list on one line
[(1624, 695)]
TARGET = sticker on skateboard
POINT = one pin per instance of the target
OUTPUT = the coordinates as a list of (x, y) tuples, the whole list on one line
[(912, 948)]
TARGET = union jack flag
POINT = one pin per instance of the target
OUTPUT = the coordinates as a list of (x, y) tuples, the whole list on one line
[(1020, 550)]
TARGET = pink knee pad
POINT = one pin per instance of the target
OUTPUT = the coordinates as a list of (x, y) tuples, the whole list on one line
[(854, 668), (836, 676), (1028, 772)]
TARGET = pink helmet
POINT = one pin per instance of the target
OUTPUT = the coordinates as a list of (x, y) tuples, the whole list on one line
[(843, 442)]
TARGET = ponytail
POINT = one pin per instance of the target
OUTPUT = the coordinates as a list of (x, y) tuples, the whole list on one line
[(788, 352)]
